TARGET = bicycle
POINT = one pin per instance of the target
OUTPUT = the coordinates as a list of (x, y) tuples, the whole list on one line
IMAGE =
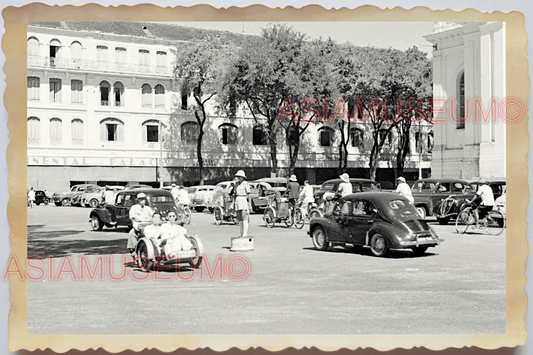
[(301, 218), (278, 210), (186, 212), (493, 222)]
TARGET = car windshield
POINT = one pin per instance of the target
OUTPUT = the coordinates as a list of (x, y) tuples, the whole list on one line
[(368, 186), (401, 209), (161, 198), (191, 190), (424, 186)]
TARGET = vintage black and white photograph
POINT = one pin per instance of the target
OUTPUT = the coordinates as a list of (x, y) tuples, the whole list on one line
[(267, 178)]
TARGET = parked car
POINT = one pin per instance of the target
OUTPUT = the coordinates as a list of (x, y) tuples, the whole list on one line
[(379, 220), (40, 197), (500, 203), (428, 192), (201, 196), (452, 205), (358, 185), (96, 197), (119, 214), (64, 198)]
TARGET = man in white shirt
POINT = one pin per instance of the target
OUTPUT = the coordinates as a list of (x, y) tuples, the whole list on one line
[(183, 196), (484, 192), (31, 197), (404, 189), (175, 191), (306, 196), (345, 187), (141, 216)]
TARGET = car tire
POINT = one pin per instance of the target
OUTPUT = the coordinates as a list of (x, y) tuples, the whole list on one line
[(320, 240), (93, 203), (65, 202), (419, 250), (421, 212), (197, 245), (96, 223), (378, 245), (37, 203), (443, 221)]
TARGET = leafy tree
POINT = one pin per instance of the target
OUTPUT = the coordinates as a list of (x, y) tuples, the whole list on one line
[(199, 65)]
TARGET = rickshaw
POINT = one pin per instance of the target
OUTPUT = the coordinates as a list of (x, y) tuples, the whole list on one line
[(327, 205), (226, 212), (278, 210)]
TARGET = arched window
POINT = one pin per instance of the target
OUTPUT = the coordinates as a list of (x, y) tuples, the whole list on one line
[(55, 90), (33, 47), (34, 88), (146, 95), (77, 131), (460, 113), (34, 131), (159, 95), (357, 138), (189, 132), (76, 90), (56, 131), (76, 51), (259, 136), (104, 93), (228, 133), (431, 142), (325, 137), (55, 48), (150, 131), (111, 130), (118, 93)]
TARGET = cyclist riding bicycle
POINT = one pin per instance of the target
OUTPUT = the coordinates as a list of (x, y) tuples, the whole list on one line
[(484, 192), (293, 191)]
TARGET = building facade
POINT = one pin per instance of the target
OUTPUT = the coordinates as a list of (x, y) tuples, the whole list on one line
[(468, 88), (104, 107)]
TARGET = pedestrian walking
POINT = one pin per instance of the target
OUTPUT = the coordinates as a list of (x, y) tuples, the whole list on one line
[(31, 197)]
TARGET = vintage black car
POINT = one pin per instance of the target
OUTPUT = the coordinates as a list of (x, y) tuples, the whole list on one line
[(358, 185), (380, 220), (40, 197), (118, 214), (450, 207), (428, 192)]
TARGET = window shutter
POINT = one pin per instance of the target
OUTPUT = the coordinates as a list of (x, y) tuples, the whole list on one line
[(145, 130), (120, 135), (103, 132)]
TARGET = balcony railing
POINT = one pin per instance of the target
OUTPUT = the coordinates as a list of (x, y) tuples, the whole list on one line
[(93, 65)]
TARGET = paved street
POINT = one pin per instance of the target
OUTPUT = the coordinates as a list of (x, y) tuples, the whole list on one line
[(456, 288)]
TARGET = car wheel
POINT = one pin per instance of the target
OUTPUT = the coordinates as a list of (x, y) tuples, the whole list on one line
[(419, 250), (269, 218), (421, 212), (320, 241), (65, 202), (443, 221), (96, 223), (378, 245), (93, 203), (37, 203), (218, 215), (199, 209), (199, 249)]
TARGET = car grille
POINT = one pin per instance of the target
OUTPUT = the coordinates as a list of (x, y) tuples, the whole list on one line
[(417, 225)]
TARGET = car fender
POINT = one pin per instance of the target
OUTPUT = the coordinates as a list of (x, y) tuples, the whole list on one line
[(391, 233), (330, 227), (422, 201), (103, 214)]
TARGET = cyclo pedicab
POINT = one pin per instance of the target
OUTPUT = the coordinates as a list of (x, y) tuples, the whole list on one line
[(227, 211), (279, 210), (149, 253)]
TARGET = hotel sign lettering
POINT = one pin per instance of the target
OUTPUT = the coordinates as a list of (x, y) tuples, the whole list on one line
[(113, 161)]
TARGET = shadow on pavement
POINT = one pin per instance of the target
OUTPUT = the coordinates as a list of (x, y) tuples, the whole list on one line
[(393, 254), (61, 248)]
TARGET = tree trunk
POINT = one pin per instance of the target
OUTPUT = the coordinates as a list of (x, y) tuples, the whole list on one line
[(273, 152)]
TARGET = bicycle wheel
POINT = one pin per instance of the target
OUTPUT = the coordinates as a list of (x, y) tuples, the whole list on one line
[(464, 220), (494, 223), (269, 217), (187, 214), (299, 219), (289, 220)]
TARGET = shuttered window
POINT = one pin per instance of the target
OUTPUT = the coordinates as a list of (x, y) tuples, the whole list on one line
[(77, 132), (34, 88), (56, 131), (76, 90)]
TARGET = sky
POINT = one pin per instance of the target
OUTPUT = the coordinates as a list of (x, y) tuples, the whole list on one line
[(398, 35)]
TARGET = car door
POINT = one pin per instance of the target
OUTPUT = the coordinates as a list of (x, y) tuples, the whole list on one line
[(362, 218), (341, 215), (122, 210)]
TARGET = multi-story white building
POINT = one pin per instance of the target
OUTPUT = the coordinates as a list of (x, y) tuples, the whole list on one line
[(469, 77), (102, 97)]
